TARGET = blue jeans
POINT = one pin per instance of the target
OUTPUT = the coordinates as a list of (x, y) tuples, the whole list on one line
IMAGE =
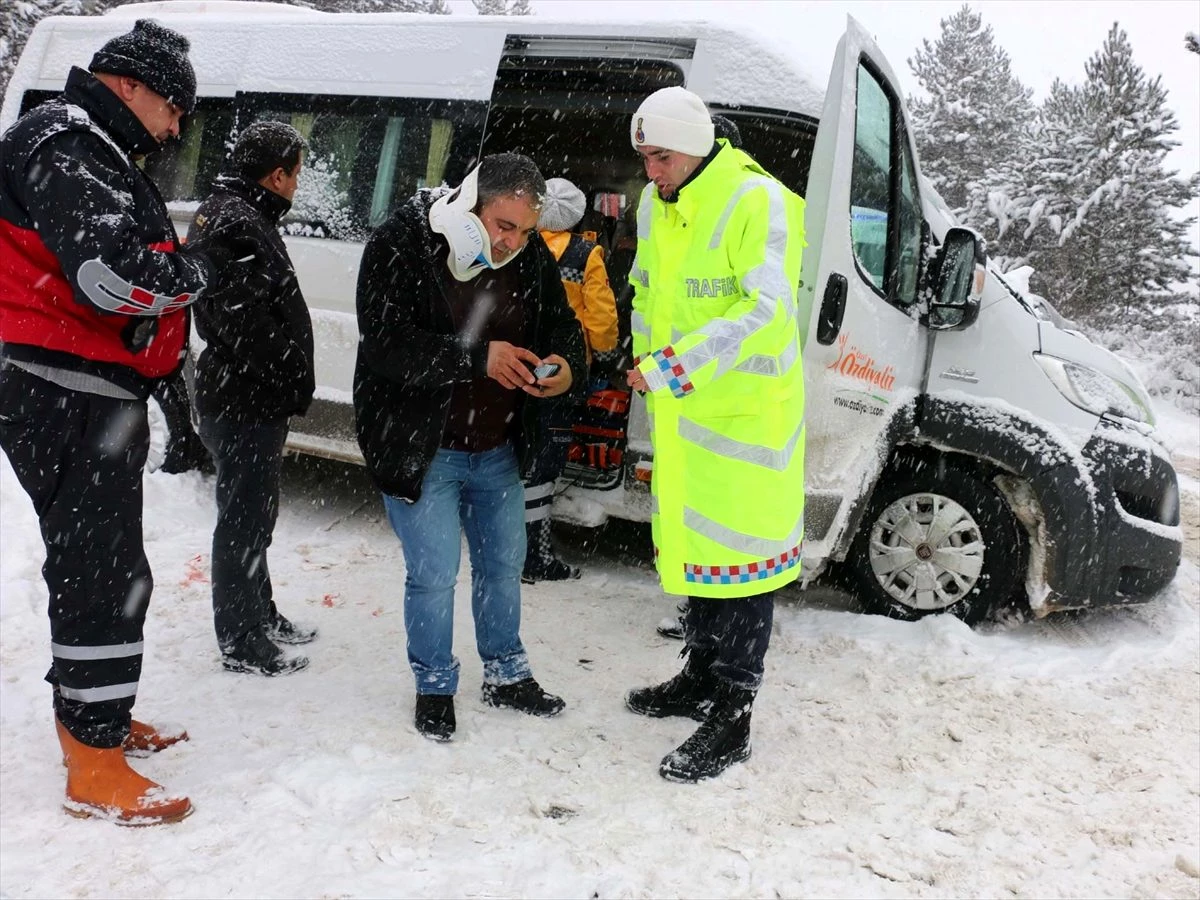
[(481, 494)]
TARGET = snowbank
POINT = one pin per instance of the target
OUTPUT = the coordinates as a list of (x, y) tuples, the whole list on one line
[(1052, 758)]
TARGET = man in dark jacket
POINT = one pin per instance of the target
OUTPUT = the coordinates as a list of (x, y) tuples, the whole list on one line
[(93, 311), (458, 302), (256, 371)]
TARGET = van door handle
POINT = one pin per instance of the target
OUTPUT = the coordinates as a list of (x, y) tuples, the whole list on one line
[(833, 307)]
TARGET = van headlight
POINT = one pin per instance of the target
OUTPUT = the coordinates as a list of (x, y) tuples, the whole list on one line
[(1094, 391)]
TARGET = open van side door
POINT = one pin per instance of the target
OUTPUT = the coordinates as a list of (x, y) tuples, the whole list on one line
[(865, 349)]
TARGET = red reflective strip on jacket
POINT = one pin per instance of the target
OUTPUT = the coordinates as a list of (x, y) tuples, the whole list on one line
[(38, 308), (595, 431), (162, 246), (610, 400)]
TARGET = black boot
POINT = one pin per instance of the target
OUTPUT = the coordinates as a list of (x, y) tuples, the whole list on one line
[(688, 694), (723, 739), (540, 562), (434, 716), (283, 630), (524, 696), (675, 627), (257, 654)]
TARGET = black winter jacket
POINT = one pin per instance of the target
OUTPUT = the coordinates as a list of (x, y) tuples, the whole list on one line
[(410, 356), (90, 279), (258, 362)]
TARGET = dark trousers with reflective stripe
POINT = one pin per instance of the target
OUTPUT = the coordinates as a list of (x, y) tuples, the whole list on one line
[(732, 634), (80, 457), (249, 459)]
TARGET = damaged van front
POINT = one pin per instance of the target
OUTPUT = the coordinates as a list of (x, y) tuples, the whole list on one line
[(1069, 429)]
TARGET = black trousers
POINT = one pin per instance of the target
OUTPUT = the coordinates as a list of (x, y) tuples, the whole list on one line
[(733, 633), (248, 457), (79, 457)]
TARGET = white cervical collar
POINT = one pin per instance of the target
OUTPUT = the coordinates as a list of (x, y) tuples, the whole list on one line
[(470, 248)]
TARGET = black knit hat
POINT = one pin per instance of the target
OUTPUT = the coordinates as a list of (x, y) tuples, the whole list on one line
[(154, 55)]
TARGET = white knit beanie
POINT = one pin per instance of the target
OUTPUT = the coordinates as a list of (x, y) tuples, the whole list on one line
[(563, 205), (675, 119)]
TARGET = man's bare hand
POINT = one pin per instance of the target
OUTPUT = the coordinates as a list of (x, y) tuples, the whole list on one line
[(636, 380), (556, 384), (511, 366)]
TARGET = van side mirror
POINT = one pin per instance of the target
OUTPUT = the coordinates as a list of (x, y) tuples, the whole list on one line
[(958, 282)]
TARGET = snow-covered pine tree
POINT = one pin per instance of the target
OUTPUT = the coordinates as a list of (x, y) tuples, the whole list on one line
[(437, 7), (969, 125), (1106, 235), (503, 7)]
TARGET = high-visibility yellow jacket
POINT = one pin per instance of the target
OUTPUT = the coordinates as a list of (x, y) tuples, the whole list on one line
[(715, 332), (585, 279)]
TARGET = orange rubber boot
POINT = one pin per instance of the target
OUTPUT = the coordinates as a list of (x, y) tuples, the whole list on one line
[(145, 739), (100, 784)]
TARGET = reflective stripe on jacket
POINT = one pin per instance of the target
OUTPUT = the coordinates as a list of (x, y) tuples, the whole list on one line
[(89, 276), (715, 332), (587, 287)]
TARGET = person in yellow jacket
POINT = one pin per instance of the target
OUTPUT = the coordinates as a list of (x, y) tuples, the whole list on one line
[(717, 355), (585, 279)]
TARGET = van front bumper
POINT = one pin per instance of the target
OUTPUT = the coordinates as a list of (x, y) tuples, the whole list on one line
[(1122, 542)]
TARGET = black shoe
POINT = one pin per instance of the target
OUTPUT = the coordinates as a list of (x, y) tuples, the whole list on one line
[(671, 628), (722, 739), (434, 716), (688, 694), (284, 631), (525, 696), (255, 653), (554, 570)]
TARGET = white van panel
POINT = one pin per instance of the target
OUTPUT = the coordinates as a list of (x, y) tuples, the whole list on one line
[(305, 56), (373, 59), (856, 385), (723, 75), (328, 274)]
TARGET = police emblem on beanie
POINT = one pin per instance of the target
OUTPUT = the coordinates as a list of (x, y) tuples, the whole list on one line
[(675, 119), (563, 205), (154, 55)]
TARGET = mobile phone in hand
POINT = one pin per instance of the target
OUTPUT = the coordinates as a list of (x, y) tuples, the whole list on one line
[(546, 370)]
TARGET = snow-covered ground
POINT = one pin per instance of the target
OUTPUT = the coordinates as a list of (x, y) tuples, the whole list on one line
[(1058, 758)]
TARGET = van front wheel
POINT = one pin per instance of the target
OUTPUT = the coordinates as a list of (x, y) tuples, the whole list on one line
[(937, 539)]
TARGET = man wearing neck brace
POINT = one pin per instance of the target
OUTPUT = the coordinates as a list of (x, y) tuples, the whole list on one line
[(459, 300)]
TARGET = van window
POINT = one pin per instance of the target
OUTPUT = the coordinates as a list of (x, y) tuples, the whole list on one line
[(781, 144), (571, 116), (909, 222), (184, 169), (367, 155), (885, 217)]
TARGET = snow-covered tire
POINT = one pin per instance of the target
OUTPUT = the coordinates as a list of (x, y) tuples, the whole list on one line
[(937, 539), (160, 435)]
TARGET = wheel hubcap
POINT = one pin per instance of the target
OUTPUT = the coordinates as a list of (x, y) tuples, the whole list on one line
[(926, 552)]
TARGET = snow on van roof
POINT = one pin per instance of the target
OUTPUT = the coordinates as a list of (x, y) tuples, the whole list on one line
[(208, 7), (730, 66)]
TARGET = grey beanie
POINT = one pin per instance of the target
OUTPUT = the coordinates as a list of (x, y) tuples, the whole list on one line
[(562, 207), (154, 55)]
